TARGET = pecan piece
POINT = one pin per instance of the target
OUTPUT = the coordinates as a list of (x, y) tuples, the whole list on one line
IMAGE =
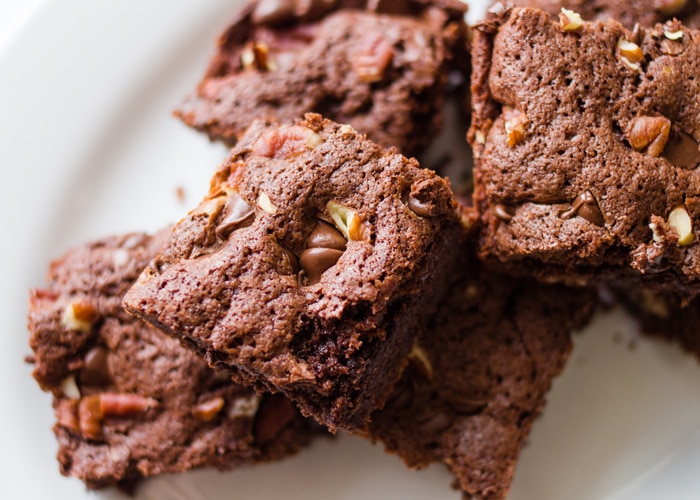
[(372, 59), (649, 133)]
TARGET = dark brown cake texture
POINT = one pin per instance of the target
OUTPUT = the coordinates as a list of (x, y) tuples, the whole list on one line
[(585, 138), (478, 376), (131, 402), (665, 316), (381, 66), (628, 13), (308, 267)]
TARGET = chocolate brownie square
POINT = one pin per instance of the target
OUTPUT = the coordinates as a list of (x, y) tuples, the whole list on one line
[(308, 268), (131, 402), (644, 12), (478, 376), (585, 138), (381, 66)]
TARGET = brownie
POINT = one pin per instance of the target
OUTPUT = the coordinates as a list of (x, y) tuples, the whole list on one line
[(478, 376), (644, 12), (131, 402), (381, 66), (308, 267), (665, 316), (585, 139)]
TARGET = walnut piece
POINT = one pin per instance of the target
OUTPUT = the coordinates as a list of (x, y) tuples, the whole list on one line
[(515, 123), (630, 54), (569, 20)]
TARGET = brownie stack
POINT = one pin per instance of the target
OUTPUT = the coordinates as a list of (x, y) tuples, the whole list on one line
[(329, 281)]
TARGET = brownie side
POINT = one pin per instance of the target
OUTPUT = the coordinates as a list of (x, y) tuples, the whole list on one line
[(478, 376), (664, 316), (643, 12), (131, 402), (381, 67), (261, 279), (586, 143)]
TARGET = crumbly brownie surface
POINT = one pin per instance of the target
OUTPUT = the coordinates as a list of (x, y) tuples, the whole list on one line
[(586, 147), (644, 12), (479, 375), (307, 267), (131, 402), (381, 67)]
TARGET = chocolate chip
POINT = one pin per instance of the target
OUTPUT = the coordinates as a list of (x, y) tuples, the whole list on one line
[(96, 370), (274, 414), (585, 206), (236, 214), (682, 150), (315, 261), (325, 235)]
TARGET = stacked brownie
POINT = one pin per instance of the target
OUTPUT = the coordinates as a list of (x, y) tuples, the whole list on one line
[(131, 402), (478, 376), (327, 274), (308, 267), (644, 13), (586, 144), (381, 66)]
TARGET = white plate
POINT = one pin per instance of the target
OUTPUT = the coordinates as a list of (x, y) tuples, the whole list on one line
[(88, 148)]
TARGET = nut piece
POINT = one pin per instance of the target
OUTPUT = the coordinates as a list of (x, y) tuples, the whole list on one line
[(286, 142), (93, 409), (503, 212), (419, 359), (650, 132), (673, 35), (244, 407), (680, 220), (630, 54), (256, 55), (569, 20), (207, 410), (79, 315), (347, 222), (372, 59), (265, 203), (515, 123), (70, 388)]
